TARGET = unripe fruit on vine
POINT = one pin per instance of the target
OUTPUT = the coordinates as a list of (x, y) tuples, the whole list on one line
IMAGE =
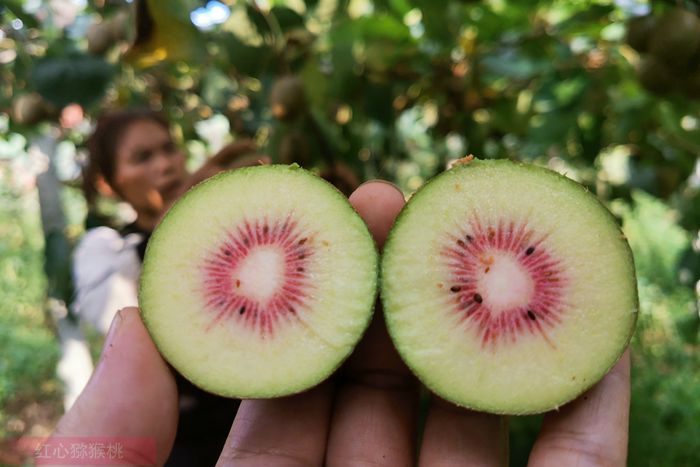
[(655, 75), (288, 98), (294, 148), (99, 38), (29, 109), (676, 38), (639, 31)]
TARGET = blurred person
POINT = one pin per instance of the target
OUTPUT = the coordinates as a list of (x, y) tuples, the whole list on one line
[(132, 156)]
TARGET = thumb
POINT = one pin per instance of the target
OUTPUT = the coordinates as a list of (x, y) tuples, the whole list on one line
[(131, 397)]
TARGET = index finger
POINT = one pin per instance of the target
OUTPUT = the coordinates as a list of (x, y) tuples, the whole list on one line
[(376, 391)]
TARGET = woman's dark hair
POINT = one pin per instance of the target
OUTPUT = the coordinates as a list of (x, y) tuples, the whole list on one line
[(102, 146)]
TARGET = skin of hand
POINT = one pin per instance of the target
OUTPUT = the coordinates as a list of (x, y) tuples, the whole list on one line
[(365, 415), (232, 156)]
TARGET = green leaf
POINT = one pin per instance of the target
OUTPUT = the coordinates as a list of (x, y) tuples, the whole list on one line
[(247, 59), (383, 27), (81, 79), (287, 18), (176, 9), (378, 103), (658, 242), (568, 91), (436, 21), (217, 87), (257, 18), (16, 9), (510, 63), (164, 32), (590, 20)]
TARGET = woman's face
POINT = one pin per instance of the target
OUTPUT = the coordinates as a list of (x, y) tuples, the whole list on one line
[(149, 168)]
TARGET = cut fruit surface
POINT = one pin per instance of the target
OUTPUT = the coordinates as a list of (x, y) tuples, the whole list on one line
[(259, 282), (508, 288)]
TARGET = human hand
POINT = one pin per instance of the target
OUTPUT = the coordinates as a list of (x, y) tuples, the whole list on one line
[(232, 156), (364, 415)]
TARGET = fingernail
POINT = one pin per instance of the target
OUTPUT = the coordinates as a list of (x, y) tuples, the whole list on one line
[(386, 182), (110, 341), (113, 332)]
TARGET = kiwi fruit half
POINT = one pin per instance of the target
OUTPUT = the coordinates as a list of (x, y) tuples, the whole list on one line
[(259, 282), (508, 288)]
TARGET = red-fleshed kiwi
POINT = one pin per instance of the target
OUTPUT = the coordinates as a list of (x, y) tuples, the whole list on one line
[(508, 288), (259, 282)]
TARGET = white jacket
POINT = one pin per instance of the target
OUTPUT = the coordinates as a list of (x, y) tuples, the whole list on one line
[(106, 269)]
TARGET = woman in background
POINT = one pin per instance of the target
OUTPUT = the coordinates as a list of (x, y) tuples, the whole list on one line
[(132, 156)]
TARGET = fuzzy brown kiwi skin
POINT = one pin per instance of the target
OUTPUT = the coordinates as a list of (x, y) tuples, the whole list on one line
[(469, 164), (326, 375)]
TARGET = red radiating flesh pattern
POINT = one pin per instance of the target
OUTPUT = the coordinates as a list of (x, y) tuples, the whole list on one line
[(220, 284), (470, 256)]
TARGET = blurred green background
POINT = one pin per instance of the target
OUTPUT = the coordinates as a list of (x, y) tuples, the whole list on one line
[(603, 91)]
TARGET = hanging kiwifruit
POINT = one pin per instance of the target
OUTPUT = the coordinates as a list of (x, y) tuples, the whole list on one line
[(676, 38), (29, 109), (655, 76), (288, 98), (639, 31)]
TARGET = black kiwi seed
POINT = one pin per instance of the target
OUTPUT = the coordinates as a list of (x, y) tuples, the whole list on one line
[(469, 238), (530, 250), (455, 288), (478, 298), (531, 314), (241, 310), (461, 243)]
